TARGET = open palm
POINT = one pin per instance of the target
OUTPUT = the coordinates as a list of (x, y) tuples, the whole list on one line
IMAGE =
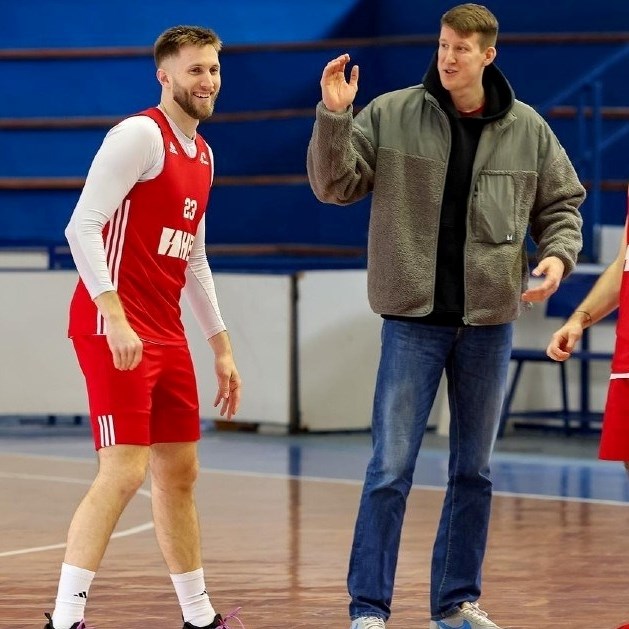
[(337, 93)]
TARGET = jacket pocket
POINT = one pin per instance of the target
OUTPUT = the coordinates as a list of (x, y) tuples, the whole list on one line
[(493, 209)]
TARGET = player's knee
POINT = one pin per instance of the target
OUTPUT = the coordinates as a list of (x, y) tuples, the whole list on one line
[(180, 476), (126, 475)]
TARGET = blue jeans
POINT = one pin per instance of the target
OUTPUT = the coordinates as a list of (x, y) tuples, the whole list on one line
[(413, 357)]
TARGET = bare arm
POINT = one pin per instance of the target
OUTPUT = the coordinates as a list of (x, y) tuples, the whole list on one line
[(599, 302), (229, 382)]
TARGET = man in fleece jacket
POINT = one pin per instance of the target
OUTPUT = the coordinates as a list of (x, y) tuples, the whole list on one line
[(457, 169)]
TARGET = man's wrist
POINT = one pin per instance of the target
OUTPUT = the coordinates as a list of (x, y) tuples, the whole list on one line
[(583, 316)]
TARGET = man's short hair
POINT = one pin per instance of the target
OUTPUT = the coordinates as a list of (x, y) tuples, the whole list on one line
[(467, 19), (173, 39)]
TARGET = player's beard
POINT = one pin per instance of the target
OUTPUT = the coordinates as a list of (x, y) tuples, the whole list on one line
[(191, 106)]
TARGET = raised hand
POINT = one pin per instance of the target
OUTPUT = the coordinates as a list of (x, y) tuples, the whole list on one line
[(337, 94)]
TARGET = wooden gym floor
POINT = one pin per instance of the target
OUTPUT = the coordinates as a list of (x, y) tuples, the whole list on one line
[(277, 515)]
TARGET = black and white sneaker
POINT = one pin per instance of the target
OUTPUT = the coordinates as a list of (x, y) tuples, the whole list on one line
[(76, 625), (218, 623)]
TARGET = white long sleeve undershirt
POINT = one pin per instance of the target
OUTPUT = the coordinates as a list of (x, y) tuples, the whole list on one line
[(133, 151)]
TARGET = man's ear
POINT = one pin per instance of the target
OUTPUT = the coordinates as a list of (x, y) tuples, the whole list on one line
[(490, 55), (162, 77)]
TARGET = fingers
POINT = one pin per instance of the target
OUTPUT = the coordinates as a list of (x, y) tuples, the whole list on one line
[(353, 77), (136, 356), (229, 405), (228, 396), (128, 356), (336, 65), (218, 398), (534, 295), (562, 344), (556, 353), (336, 93), (552, 269), (559, 349), (234, 402), (541, 292)]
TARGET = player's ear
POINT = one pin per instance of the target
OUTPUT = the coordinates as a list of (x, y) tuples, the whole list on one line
[(162, 77)]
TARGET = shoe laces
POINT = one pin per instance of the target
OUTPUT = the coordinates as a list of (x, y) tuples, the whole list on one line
[(372, 622), (473, 610), (231, 616)]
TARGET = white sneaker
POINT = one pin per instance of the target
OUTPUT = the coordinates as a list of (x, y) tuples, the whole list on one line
[(368, 622), (469, 616)]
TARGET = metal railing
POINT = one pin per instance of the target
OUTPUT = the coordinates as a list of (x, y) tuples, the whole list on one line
[(591, 141)]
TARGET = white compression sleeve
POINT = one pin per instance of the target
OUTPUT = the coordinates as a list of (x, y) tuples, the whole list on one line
[(132, 151), (199, 289)]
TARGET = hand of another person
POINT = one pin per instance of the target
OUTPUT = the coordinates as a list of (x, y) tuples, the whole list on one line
[(229, 384), (125, 345), (552, 268), (564, 340), (337, 94)]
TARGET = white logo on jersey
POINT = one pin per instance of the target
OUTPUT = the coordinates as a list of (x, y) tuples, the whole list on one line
[(203, 159), (172, 149), (175, 243)]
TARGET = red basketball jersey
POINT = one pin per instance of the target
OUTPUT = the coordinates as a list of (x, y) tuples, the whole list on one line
[(147, 244)]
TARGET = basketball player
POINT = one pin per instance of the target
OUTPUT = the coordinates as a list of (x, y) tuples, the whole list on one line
[(137, 236)]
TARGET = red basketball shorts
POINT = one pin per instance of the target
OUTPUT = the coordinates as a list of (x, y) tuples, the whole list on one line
[(615, 434), (157, 402)]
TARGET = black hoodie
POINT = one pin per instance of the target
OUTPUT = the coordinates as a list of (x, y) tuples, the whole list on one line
[(449, 285)]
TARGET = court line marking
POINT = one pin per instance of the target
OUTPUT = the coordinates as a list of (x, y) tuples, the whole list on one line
[(147, 526), (340, 481)]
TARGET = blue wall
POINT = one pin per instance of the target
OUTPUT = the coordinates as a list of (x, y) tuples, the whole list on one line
[(535, 16), (263, 80), (77, 23)]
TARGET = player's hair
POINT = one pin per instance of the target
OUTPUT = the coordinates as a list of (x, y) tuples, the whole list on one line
[(467, 19), (173, 39)]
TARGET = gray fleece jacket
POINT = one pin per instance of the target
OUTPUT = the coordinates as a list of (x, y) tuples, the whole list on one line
[(397, 148)]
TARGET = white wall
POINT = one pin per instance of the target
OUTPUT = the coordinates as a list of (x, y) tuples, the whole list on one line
[(338, 350), (41, 375)]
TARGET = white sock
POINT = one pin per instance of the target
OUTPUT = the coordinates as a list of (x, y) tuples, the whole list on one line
[(74, 585), (193, 598)]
